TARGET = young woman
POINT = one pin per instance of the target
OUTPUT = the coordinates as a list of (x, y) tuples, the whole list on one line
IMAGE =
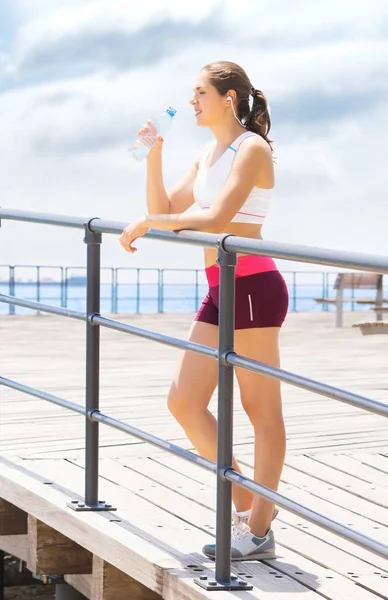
[(230, 182)]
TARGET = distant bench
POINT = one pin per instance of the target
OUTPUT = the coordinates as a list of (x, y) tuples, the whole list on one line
[(351, 281)]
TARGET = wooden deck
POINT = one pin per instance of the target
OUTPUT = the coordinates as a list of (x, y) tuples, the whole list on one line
[(337, 459)]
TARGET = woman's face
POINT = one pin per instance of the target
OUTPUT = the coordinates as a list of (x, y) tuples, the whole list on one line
[(209, 106)]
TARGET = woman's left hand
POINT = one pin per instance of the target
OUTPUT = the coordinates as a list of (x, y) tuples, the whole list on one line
[(131, 233)]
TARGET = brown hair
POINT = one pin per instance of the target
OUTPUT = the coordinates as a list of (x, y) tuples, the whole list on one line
[(225, 76)]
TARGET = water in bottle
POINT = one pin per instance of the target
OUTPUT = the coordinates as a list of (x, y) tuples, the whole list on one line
[(143, 144)]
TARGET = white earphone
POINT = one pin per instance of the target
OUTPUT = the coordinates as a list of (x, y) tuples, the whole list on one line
[(230, 99)]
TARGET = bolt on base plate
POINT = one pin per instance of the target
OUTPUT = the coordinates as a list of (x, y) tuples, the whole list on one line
[(235, 583), (79, 505)]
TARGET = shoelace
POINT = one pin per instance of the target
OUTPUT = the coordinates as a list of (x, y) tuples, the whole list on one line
[(240, 531)]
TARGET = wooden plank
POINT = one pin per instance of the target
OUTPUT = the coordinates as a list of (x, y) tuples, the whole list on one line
[(319, 550), (109, 583), (191, 489), (13, 521), (376, 461), (82, 583), (326, 582), (146, 514), (349, 483), (136, 392), (17, 545), (148, 517), (52, 553), (358, 280), (96, 534), (288, 527), (380, 583), (343, 463)]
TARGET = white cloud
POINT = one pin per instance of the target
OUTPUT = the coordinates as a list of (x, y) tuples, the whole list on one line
[(66, 133)]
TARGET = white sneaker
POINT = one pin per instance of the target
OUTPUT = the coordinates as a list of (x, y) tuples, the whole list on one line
[(238, 518), (246, 546)]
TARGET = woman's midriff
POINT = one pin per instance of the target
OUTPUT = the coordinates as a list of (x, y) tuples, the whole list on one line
[(249, 230)]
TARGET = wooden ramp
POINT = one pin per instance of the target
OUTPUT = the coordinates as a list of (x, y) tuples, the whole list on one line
[(337, 464), (165, 513)]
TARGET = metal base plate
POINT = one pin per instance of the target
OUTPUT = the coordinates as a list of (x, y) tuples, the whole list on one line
[(235, 583), (78, 505)]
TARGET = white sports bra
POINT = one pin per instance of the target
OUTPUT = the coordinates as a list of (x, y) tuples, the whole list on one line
[(210, 180)]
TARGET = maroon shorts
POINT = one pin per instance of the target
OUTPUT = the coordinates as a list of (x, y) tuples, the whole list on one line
[(261, 298)]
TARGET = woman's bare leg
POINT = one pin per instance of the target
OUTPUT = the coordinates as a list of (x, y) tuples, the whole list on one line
[(190, 393), (261, 399)]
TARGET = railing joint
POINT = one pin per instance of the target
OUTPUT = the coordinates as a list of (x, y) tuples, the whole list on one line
[(91, 317), (92, 237), (90, 412), (225, 258), (223, 472), (224, 356)]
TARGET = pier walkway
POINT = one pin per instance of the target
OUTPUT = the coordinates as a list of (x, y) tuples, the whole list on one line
[(337, 464)]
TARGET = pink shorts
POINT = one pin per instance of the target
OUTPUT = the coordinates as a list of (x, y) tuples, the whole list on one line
[(261, 297)]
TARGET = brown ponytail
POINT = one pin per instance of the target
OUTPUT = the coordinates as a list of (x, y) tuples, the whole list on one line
[(225, 76)]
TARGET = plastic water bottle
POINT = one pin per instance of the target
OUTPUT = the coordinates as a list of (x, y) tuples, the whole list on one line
[(143, 144)]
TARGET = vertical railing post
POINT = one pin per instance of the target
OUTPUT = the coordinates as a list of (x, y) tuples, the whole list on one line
[(38, 287), (326, 294), (339, 302), (227, 263), (93, 242), (115, 276), (137, 290), (112, 289), (294, 292), (196, 291), (223, 579), (66, 293), (92, 398), (324, 285), (379, 298), (11, 288), (160, 290), (38, 284), (62, 288)]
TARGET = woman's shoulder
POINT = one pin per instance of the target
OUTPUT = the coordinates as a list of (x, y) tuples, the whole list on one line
[(254, 144), (250, 138)]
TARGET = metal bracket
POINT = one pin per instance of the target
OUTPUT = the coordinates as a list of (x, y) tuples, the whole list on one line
[(224, 257), (80, 506), (92, 237), (90, 412), (91, 316), (223, 472), (235, 583), (224, 356)]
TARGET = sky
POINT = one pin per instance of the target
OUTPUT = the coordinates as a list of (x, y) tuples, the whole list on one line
[(78, 78)]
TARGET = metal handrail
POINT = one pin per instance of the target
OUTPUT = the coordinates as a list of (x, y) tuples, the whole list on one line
[(160, 285), (231, 243), (228, 246)]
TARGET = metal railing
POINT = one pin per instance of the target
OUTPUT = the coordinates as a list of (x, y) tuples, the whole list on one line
[(137, 290), (228, 246)]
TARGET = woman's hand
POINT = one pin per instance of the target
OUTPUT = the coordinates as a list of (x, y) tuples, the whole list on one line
[(148, 134), (131, 233)]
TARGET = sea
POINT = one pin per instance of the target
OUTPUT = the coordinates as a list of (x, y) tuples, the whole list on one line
[(147, 291)]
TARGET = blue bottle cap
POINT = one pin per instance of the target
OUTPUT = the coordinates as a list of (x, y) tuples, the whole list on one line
[(171, 111)]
